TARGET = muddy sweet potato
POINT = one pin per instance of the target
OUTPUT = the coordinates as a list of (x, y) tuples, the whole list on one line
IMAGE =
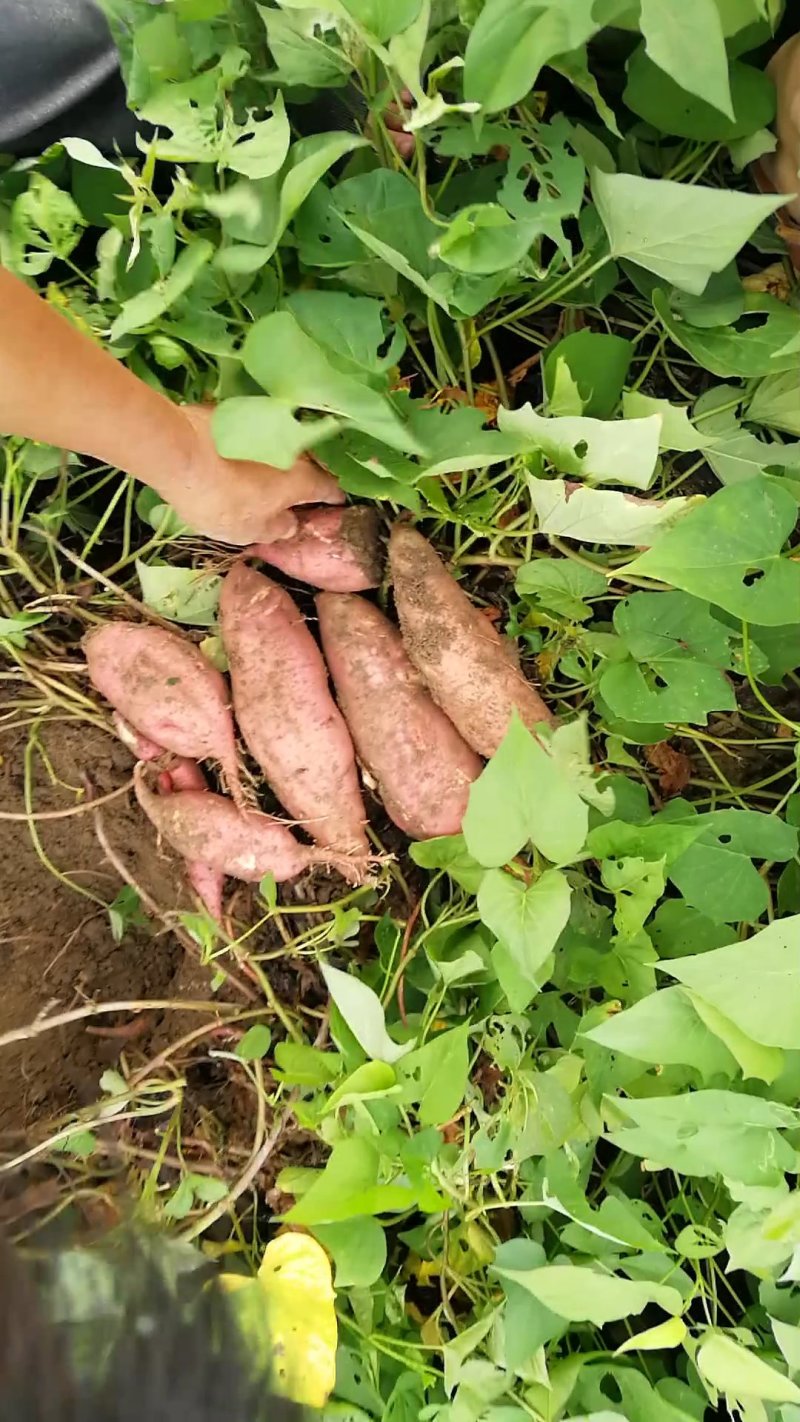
[(164, 687), (207, 881), (421, 764), (208, 829), (463, 661), (180, 774), (337, 549), (286, 713)]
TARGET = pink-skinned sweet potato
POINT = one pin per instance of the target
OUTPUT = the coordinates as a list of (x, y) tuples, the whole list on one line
[(209, 829), (463, 661), (180, 774), (164, 687), (421, 764), (207, 881), (337, 549), (286, 713)]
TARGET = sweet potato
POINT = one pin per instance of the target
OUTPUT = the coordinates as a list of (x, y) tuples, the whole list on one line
[(180, 774), (334, 548), (138, 745), (423, 767), (461, 658), (286, 712), (208, 829), (164, 687)]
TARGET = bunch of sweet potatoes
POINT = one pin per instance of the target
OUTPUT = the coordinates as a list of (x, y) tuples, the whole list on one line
[(418, 706)]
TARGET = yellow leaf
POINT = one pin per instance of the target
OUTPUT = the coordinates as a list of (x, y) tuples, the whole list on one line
[(669, 1334), (295, 1275), (291, 1304)]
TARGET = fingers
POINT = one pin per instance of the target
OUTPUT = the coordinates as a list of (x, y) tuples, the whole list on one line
[(394, 118), (308, 483), (283, 525)]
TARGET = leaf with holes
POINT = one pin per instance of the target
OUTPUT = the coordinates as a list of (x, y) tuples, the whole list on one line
[(603, 451), (561, 586), (291, 367), (677, 654), (602, 515), (751, 346), (716, 874), (598, 364), (729, 550)]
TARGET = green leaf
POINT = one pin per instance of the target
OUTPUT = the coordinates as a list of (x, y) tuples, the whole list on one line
[(664, 1029), (306, 1066), (756, 984), (740, 1374), (14, 630), (524, 795), (484, 238), (729, 550), (637, 885), (352, 328), (369, 1082), (723, 301), (346, 1188), (261, 145), (145, 308), (528, 919), (677, 430), (362, 1012), (82, 151), (46, 220), (678, 231), (602, 515), (513, 39), (382, 18), (255, 1043), (619, 451), (755, 1060), (715, 874), (292, 368), (302, 55), (598, 364), (383, 211), (449, 852), (662, 102), (669, 1334), (673, 673), (689, 46), (774, 403), (308, 161), (187, 595), (259, 428), (561, 585), (708, 1133), (436, 1076), (586, 1296), (358, 1250), (756, 349)]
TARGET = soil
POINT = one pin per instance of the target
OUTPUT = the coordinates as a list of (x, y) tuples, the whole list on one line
[(57, 949)]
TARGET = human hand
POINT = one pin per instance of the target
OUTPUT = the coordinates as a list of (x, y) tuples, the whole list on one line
[(241, 501), (394, 117)]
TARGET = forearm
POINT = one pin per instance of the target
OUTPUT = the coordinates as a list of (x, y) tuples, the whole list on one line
[(58, 386)]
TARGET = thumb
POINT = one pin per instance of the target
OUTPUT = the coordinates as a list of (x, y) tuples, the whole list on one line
[(275, 530)]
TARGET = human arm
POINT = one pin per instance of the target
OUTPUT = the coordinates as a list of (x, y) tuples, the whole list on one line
[(60, 387)]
